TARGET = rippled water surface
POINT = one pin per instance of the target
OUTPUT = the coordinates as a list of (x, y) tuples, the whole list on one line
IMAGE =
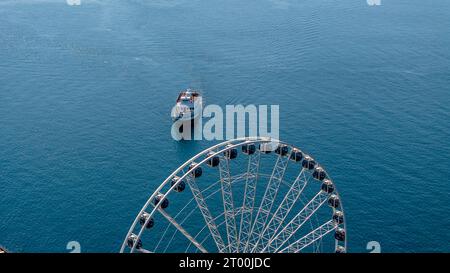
[(86, 92)]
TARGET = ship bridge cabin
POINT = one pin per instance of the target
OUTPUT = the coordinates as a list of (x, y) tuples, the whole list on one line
[(188, 96)]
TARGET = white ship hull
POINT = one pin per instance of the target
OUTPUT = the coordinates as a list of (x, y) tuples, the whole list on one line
[(188, 107), (179, 113)]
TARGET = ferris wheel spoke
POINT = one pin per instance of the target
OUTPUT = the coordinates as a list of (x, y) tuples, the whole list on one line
[(181, 212), (182, 230), (205, 226), (296, 223), (234, 179), (283, 210), (174, 233), (142, 250), (203, 229), (205, 213), (209, 235), (188, 214), (249, 198), (228, 203), (267, 201), (310, 238)]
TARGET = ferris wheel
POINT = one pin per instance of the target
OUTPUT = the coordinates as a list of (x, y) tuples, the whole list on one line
[(247, 195)]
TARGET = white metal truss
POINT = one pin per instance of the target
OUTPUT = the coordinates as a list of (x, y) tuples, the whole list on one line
[(234, 179), (205, 212), (296, 223), (283, 210), (249, 199), (182, 230), (228, 203), (207, 236), (313, 236), (267, 202)]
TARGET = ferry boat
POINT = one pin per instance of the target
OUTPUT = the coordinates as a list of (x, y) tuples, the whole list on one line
[(188, 106)]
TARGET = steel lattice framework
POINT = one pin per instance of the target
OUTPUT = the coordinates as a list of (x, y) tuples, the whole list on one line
[(249, 199), (293, 207), (228, 206)]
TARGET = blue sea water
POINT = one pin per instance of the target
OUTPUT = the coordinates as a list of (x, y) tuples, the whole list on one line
[(86, 92)]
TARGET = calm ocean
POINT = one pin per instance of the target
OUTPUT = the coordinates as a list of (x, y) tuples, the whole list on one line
[(86, 93)]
